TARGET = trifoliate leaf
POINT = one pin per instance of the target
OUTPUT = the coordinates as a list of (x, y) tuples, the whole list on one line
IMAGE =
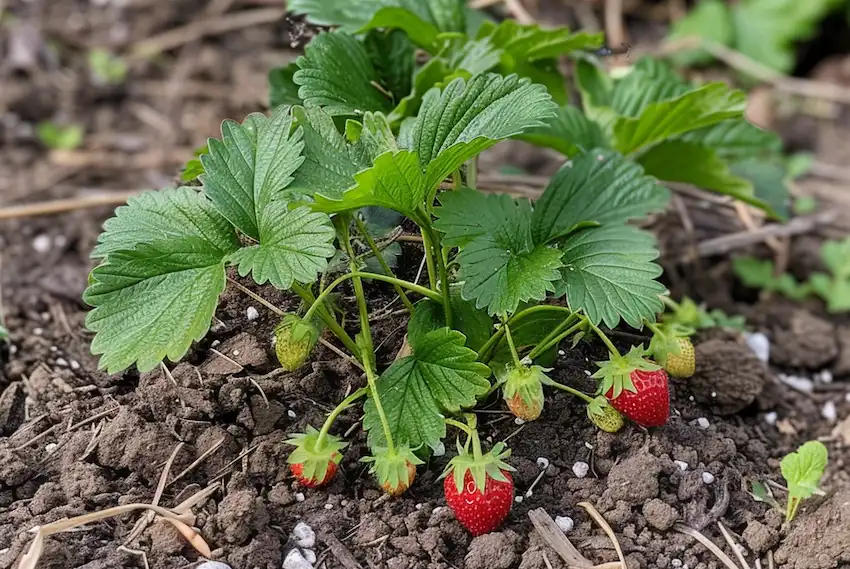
[(609, 273), (395, 182), (441, 376), (600, 187), (690, 163), (394, 58), (250, 166), (530, 43), (153, 300), (503, 267), (767, 30), (336, 73), (736, 139), (469, 117), (802, 470), (571, 132), (329, 165), (709, 19), (294, 246), (699, 108), (282, 87)]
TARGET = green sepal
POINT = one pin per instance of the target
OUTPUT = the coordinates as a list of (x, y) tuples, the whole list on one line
[(527, 381), (489, 464), (616, 372), (665, 341), (391, 467), (316, 459), (295, 339)]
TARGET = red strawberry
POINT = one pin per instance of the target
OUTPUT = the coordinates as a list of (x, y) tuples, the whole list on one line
[(649, 404), (315, 458), (636, 387), (297, 470), (480, 512), (479, 488)]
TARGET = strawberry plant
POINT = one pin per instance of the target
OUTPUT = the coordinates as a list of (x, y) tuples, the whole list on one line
[(366, 136)]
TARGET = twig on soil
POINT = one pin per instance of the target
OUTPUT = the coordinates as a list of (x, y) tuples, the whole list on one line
[(204, 28), (734, 545), (555, 538), (35, 439), (136, 552), (93, 441), (93, 418), (223, 470), (597, 517), (65, 205), (546, 561), (681, 528), (197, 461), (342, 554), (513, 434), (148, 517), (120, 161)]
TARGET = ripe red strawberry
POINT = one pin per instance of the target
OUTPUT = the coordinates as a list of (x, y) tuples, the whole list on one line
[(479, 488), (522, 390), (636, 387), (649, 404), (395, 470), (315, 458)]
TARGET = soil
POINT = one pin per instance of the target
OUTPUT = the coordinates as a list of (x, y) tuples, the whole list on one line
[(74, 439)]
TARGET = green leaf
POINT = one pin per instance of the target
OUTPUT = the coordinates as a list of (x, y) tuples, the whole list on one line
[(802, 470), (527, 330), (250, 167), (59, 137), (644, 87), (503, 267), (153, 300), (395, 182), (441, 376), (394, 58), (349, 16), (375, 138), (473, 322), (465, 215), (736, 139), (294, 246), (328, 163), (596, 87), (106, 68), (545, 72), (336, 73), (836, 257), (600, 187), (699, 108), (432, 74), (422, 20), (282, 87), (709, 19), (690, 163), (767, 30), (530, 43), (609, 273), (571, 132), (769, 182), (469, 117), (476, 56), (193, 168)]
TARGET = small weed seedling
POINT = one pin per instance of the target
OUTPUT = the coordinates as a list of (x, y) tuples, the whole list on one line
[(58, 137), (802, 471), (367, 134), (833, 288)]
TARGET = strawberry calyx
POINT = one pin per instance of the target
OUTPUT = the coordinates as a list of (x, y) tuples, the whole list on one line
[(522, 388), (295, 339), (603, 415), (395, 469), (315, 454), (615, 372), (666, 340), (480, 465)]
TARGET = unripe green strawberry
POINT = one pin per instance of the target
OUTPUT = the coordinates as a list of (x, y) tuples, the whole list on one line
[(605, 417), (394, 470), (683, 363), (523, 391), (294, 341)]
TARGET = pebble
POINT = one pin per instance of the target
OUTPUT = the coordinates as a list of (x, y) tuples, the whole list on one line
[(580, 469), (61, 362), (829, 412), (770, 418), (299, 497), (75, 365), (291, 414), (797, 382), (565, 523), (50, 447), (294, 560), (304, 535), (561, 352), (759, 344), (38, 331), (252, 314), (519, 421), (53, 349), (41, 243), (440, 450), (825, 376), (683, 466), (309, 555), (846, 397), (676, 562), (213, 565), (707, 478), (587, 373), (703, 423), (329, 506), (343, 503), (518, 499), (542, 463)]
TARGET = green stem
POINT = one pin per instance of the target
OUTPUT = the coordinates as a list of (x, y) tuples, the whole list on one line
[(444, 274), (571, 391), (554, 341), (653, 327), (511, 345), (343, 405), (457, 180), (381, 261), (472, 173), (484, 352), (545, 343), (325, 316), (605, 340), (459, 425), (476, 446), (429, 259), (373, 387), (669, 302)]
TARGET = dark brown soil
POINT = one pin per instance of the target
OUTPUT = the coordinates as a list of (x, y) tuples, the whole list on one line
[(75, 440)]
